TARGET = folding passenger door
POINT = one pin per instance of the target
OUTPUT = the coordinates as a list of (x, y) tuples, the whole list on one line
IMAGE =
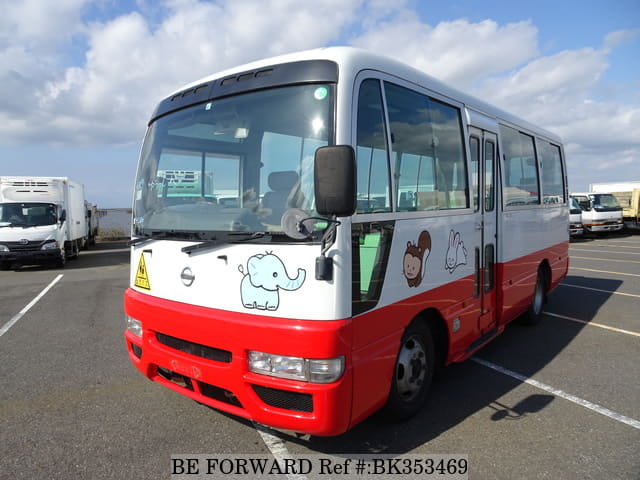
[(484, 147)]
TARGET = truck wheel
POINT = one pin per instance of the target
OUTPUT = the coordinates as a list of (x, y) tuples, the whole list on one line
[(412, 373), (534, 314)]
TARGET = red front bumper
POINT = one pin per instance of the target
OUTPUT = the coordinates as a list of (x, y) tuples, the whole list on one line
[(202, 353)]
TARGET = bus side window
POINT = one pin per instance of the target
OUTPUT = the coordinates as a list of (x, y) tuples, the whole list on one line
[(552, 178), (428, 149), (474, 147), (371, 152), (520, 166)]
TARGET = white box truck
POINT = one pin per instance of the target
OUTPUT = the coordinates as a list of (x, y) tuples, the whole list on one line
[(628, 195), (42, 219)]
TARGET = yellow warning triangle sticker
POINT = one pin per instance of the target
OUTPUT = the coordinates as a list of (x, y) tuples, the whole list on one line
[(142, 276)]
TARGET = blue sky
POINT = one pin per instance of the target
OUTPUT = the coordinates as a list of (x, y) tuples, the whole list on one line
[(79, 78)]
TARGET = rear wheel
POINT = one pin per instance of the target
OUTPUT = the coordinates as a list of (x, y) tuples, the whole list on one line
[(413, 372), (534, 313)]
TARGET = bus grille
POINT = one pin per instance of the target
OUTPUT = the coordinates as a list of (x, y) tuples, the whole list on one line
[(220, 394), (196, 349), (300, 402)]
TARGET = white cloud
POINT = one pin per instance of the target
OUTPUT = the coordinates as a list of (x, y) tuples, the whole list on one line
[(459, 52), (130, 65), (618, 38), (131, 61)]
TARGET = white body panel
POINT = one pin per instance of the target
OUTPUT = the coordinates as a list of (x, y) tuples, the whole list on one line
[(240, 278), (613, 187)]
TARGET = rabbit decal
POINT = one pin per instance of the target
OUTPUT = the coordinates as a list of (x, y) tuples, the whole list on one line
[(456, 253)]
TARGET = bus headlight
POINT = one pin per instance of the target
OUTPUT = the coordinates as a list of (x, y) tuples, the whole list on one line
[(296, 368), (134, 326)]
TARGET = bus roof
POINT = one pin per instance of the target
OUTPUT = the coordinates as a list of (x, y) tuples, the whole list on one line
[(351, 60)]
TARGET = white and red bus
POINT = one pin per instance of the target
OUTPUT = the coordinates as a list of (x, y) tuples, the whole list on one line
[(314, 234)]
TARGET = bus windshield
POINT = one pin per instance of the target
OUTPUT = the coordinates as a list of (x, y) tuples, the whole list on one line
[(234, 164)]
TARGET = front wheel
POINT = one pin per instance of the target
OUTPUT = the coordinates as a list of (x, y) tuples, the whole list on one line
[(61, 260), (412, 374)]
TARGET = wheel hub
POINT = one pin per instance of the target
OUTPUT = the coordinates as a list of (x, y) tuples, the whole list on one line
[(411, 368)]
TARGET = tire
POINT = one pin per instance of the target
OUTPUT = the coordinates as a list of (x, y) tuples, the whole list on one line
[(412, 373), (62, 260), (534, 314)]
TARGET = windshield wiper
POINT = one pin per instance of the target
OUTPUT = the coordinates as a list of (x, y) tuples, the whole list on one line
[(163, 235), (214, 241)]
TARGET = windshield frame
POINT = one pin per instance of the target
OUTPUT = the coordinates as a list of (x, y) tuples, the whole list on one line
[(257, 233)]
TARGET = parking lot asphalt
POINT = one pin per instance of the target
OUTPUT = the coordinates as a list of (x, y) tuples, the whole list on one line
[(558, 400)]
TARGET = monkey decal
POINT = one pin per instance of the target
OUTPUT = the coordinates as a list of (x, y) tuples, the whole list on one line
[(415, 258)]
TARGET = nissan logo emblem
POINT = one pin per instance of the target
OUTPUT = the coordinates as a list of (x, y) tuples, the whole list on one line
[(187, 276), (24, 241)]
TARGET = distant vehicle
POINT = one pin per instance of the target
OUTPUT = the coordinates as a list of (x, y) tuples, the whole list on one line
[(42, 219), (628, 195), (92, 219), (575, 218), (601, 212)]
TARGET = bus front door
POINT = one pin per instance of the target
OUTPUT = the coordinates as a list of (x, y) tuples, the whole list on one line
[(484, 154)]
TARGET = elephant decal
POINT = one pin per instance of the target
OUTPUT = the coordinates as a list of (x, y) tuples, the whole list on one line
[(265, 276)]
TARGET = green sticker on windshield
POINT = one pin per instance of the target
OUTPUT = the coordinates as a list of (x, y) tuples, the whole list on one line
[(321, 93)]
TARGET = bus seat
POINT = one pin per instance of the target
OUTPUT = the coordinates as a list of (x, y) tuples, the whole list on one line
[(281, 185)]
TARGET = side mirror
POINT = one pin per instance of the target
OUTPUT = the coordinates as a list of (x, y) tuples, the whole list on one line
[(335, 180), (63, 216)]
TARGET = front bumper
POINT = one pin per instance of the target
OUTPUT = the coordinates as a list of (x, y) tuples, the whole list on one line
[(576, 229), (202, 353), (604, 227), (30, 256)]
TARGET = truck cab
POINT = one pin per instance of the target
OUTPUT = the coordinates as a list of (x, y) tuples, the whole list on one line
[(601, 212)]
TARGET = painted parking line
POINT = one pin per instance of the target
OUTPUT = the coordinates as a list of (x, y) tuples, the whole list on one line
[(277, 448), (593, 324), (604, 259), (605, 251), (599, 290), (559, 393), (604, 271), (5, 328)]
